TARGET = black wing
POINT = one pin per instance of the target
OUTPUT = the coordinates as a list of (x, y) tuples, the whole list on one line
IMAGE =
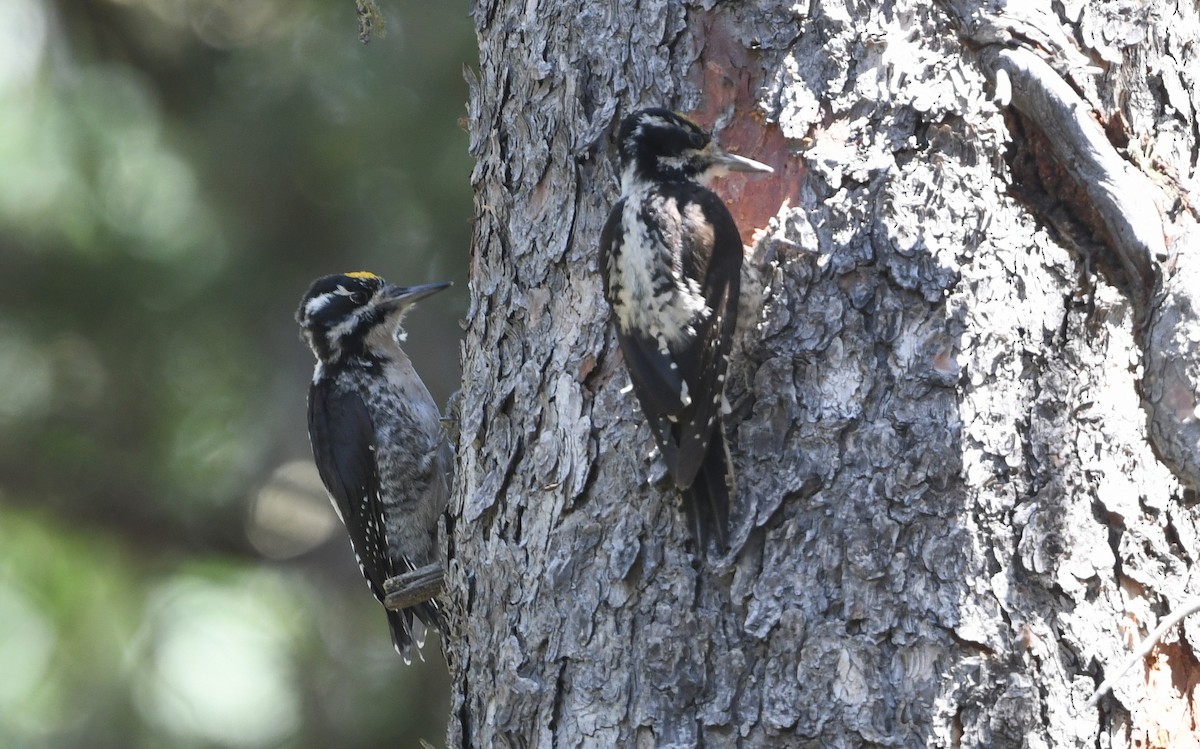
[(714, 254), (711, 252), (343, 443), (689, 432)]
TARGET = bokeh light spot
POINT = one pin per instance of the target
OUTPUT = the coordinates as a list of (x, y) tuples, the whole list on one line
[(26, 374), (291, 514), (26, 640), (220, 664), (22, 41)]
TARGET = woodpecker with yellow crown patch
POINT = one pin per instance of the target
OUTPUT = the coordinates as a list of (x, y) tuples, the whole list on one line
[(671, 259), (376, 433)]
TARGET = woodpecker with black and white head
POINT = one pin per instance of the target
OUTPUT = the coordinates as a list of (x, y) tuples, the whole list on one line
[(671, 260), (376, 433)]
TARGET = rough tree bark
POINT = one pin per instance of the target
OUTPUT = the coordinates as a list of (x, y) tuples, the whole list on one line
[(964, 393)]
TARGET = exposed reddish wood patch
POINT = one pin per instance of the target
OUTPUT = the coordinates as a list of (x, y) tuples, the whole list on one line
[(1166, 717), (585, 368), (728, 74)]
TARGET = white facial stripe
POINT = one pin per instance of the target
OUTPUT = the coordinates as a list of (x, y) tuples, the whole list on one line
[(316, 304), (345, 327)]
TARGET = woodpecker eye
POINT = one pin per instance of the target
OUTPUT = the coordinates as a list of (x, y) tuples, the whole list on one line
[(697, 140), (358, 298)]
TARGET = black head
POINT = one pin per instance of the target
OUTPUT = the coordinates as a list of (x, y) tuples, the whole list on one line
[(658, 144), (339, 313)]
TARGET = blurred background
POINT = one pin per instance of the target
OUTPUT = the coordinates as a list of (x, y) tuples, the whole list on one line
[(173, 175)]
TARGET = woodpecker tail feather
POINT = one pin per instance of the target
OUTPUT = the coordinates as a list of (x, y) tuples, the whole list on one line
[(707, 500), (429, 613), (409, 630), (400, 624)]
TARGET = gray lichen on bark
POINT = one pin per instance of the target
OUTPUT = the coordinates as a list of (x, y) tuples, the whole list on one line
[(949, 517)]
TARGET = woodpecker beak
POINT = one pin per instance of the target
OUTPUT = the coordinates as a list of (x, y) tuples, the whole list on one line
[(397, 297), (734, 163)]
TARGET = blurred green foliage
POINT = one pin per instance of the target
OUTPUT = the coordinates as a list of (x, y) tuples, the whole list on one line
[(173, 174)]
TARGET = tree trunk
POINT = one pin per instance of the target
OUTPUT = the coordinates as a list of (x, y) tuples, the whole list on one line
[(963, 392)]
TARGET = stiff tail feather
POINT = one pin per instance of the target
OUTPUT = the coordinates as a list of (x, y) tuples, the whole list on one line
[(706, 502), (408, 630)]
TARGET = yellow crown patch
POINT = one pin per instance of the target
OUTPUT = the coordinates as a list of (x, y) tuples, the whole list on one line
[(362, 274)]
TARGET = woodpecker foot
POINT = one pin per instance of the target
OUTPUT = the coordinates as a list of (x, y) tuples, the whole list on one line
[(411, 588)]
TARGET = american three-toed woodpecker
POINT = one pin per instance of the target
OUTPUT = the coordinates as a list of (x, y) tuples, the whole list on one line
[(376, 433), (671, 258)]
